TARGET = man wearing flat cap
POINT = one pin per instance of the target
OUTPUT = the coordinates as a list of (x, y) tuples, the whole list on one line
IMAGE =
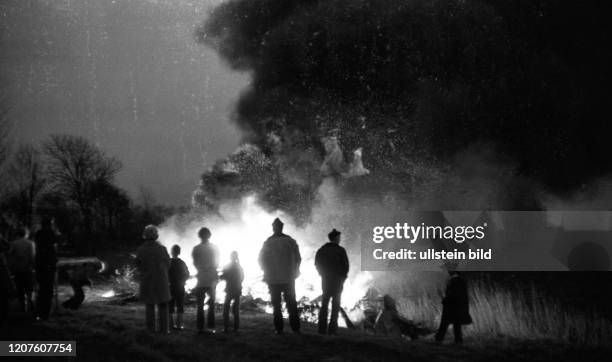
[(333, 266), (280, 260)]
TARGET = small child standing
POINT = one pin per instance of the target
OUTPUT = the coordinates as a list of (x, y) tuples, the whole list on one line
[(233, 276), (178, 274)]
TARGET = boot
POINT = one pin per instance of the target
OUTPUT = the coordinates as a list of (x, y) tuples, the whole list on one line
[(179, 321), (174, 321)]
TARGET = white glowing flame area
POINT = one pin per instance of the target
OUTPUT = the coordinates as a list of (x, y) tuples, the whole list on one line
[(244, 226)]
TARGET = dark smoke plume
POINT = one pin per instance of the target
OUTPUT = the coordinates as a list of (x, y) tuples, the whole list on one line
[(416, 83)]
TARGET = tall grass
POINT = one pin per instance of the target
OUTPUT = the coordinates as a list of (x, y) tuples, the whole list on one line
[(502, 312)]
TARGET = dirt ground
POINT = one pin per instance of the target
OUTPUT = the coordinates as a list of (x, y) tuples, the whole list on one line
[(106, 332)]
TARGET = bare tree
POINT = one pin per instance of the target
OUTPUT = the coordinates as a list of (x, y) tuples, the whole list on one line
[(75, 168), (26, 181)]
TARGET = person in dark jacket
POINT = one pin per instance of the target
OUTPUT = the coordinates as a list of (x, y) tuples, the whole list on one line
[(178, 276), (280, 261), (21, 258), (206, 260), (455, 307), (333, 266), (233, 276), (46, 240)]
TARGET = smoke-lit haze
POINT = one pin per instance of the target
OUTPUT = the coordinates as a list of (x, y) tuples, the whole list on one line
[(128, 75)]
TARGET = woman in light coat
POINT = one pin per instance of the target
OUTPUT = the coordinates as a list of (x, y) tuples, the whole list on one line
[(153, 262)]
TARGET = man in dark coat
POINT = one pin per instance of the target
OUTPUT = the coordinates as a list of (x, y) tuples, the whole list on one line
[(280, 260), (206, 261), (46, 240), (455, 307), (21, 258), (333, 266)]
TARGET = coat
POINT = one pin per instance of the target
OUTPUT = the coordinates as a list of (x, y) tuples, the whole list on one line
[(153, 263), (179, 273), (455, 305), (206, 260), (46, 241), (280, 259), (332, 262), (233, 276), (22, 256)]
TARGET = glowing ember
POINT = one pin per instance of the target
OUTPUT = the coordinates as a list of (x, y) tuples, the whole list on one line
[(243, 227)]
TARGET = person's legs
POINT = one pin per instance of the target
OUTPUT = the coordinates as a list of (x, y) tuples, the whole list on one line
[(29, 288), (323, 313), (164, 326), (211, 307), (150, 316), (79, 295), (45, 292), (20, 289), (236, 312), (226, 308), (442, 330), (179, 302), (200, 294), (294, 318), (335, 309), (172, 307), (458, 332), (275, 298)]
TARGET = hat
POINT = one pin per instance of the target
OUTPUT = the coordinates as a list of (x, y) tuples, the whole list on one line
[(333, 234), (150, 232), (277, 221)]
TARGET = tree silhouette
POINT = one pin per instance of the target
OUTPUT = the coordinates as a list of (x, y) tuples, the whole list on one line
[(76, 168), (26, 182)]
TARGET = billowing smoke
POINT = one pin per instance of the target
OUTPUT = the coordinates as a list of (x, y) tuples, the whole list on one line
[(428, 89)]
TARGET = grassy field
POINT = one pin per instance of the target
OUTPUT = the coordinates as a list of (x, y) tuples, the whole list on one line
[(106, 332), (521, 313)]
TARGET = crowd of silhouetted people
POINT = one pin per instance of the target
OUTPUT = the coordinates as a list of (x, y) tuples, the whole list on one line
[(24, 261), (163, 277)]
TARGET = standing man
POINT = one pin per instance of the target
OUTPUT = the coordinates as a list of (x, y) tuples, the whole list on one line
[(280, 260), (455, 307), (333, 266), (22, 265), (46, 240), (206, 260)]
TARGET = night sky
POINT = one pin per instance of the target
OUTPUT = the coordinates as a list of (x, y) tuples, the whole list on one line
[(130, 76)]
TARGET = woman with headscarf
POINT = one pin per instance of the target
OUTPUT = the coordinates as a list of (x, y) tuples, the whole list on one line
[(153, 262)]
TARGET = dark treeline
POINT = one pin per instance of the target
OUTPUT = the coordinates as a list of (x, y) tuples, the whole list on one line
[(70, 179)]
